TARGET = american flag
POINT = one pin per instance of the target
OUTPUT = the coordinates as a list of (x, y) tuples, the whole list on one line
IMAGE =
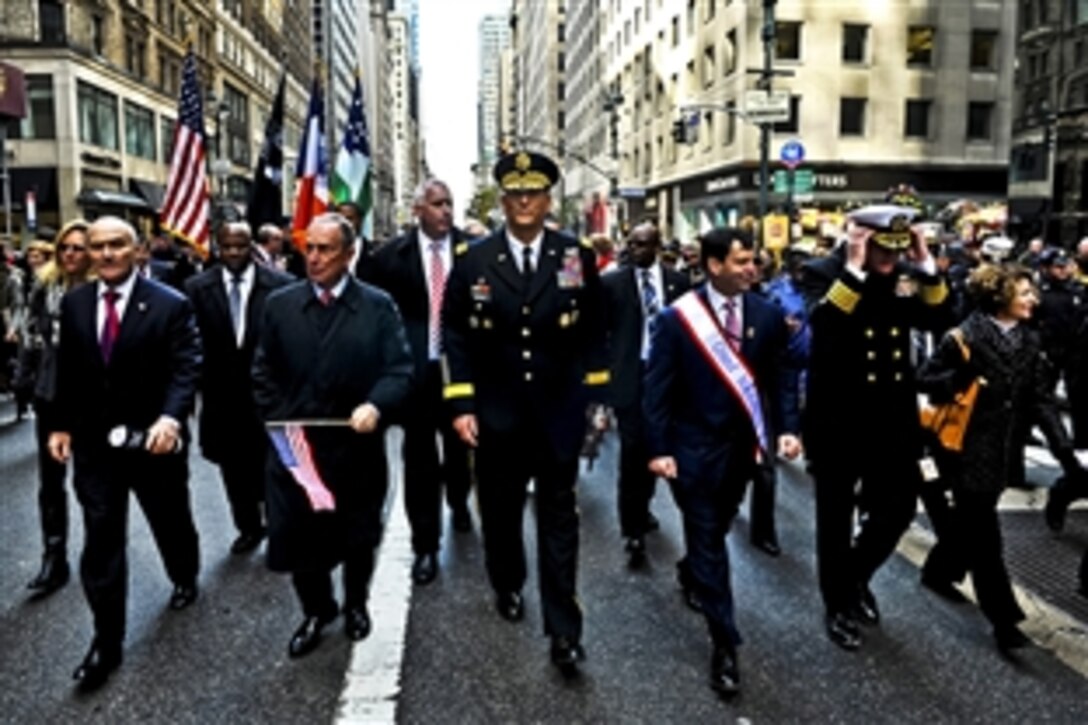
[(293, 449), (184, 210)]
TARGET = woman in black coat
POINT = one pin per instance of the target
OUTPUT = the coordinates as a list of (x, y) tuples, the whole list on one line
[(1005, 355)]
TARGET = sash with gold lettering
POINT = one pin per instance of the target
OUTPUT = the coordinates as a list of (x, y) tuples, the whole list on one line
[(730, 367)]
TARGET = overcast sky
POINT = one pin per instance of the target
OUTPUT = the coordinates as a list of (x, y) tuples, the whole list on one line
[(450, 67)]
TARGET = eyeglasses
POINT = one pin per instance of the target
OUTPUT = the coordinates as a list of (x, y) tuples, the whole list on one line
[(62, 248)]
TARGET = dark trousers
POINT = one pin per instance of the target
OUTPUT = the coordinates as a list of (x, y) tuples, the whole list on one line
[(242, 471), (945, 561), (314, 588), (708, 495), (1076, 388), (425, 471), (979, 539), (504, 465), (103, 479), (636, 483), (887, 499), (52, 494), (761, 503)]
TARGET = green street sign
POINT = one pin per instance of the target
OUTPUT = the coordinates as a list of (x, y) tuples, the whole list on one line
[(802, 181)]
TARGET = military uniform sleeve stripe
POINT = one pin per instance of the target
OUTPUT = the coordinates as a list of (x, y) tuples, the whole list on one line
[(598, 377), (843, 297), (458, 390), (934, 294)]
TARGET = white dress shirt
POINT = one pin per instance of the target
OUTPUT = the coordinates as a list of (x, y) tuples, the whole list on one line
[(245, 287), (516, 247), (658, 283), (446, 255), (336, 290), (124, 291), (717, 303)]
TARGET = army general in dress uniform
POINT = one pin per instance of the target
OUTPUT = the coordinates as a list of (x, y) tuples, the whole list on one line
[(861, 419), (525, 346)]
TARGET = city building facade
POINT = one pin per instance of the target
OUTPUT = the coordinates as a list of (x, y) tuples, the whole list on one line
[(537, 31), (494, 37), (1048, 170), (881, 93), (103, 83)]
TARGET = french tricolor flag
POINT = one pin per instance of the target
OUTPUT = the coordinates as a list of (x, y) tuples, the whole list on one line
[(293, 449), (312, 173)]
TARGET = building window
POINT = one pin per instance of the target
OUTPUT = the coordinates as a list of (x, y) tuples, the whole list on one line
[(708, 134), (561, 62), (730, 122), (1027, 16), (166, 138), (135, 56), (561, 33), (98, 38), (97, 116), (855, 39), (1044, 11), (169, 72), (979, 121), (787, 41), (794, 122), (708, 66), (638, 20), (729, 52), (237, 125), (916, 124), (139, 131), (51, 22), (40, 121), (691, 16), (920, 41), (852, 116), (983, 45), (675, 30)]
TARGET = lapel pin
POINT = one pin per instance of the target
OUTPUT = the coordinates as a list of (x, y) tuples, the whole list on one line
[(751, 332), (502, 256), (551, 252), (142, 307)]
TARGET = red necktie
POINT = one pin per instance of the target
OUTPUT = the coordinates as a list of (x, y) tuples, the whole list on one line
[(438, 288), (112, 328), (325, 298), (732, 323)]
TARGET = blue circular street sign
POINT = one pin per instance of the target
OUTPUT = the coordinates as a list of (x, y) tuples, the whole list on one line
[(792, 153)]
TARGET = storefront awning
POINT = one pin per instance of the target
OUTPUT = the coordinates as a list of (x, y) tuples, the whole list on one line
[(102, 197), (151, 192)]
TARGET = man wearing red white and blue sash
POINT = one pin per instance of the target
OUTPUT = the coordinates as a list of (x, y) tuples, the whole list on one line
[(718, 386)]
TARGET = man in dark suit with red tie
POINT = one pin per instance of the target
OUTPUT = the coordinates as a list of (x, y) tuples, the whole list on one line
[(228, 300), (413, 270), (128, 367), (718, 381), (634, 295)]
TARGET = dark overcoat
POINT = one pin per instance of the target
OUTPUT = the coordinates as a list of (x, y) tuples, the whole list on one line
[(314, 362)]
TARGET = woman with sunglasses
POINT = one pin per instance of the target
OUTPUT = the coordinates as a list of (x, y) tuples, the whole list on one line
[(69, 268)]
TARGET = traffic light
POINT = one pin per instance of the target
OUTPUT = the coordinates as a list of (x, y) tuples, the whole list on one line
[(679, 131)]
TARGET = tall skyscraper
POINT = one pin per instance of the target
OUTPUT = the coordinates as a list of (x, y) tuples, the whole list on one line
[(494, 38)]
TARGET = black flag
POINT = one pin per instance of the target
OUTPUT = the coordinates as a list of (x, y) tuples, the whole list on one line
[(266, 196)]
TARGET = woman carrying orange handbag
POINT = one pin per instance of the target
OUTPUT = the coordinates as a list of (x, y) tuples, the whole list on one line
[(1006, 363)]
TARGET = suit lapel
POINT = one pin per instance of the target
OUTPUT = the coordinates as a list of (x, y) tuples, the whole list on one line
[(749, 321), (546, 265), (503, 264), (88, 320), (672, 288), (135, 312)]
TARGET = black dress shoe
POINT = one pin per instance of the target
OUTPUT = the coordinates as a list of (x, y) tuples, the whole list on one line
[(687, 587), (53, 575), (636, 551), (566, 652), (96, 667), (865, 608), (768, 545), (724, 673), (247, 541), (1009, 638), (510, 606), (1057, 504), (183, 596), (462, 520), (308, 635), (942, 588), (356, 623), (425, 568), (843, 631)]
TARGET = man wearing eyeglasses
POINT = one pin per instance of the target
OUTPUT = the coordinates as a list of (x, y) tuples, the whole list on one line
[(127, 371)]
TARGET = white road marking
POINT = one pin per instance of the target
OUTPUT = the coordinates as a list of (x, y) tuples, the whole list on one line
[(372, 682)]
